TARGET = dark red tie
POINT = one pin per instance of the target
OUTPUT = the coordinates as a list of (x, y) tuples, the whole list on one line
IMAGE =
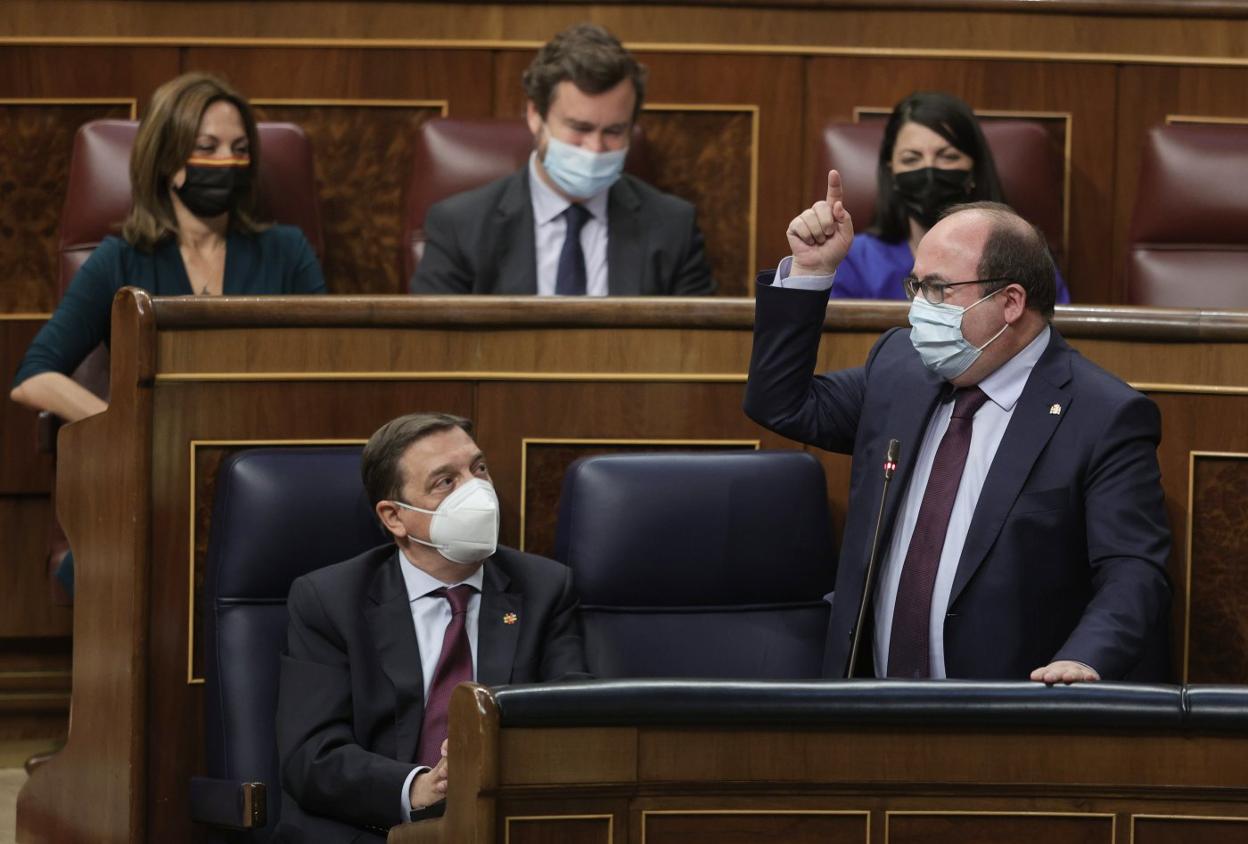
[(454, 667), (909, 647)]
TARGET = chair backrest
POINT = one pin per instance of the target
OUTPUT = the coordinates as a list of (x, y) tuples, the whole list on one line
[(1030, 167), (278, 513), (1188, 245), (700, 565), (452, 155), (97, 198)]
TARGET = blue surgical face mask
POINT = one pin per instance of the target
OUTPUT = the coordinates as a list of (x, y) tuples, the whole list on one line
[(936, 333), (578, 172)]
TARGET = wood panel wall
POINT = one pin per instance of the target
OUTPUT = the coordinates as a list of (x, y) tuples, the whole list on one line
[(737, 94)]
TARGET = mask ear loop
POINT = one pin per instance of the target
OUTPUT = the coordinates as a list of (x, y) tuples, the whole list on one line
[(999, 333)]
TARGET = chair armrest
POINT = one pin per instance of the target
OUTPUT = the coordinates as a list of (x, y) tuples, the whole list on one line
[(47, 424), (229, 804)]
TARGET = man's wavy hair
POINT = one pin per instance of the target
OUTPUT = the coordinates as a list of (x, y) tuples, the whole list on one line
[(590, 58)]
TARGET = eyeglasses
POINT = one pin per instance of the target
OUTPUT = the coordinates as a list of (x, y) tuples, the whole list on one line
[(934, 291)]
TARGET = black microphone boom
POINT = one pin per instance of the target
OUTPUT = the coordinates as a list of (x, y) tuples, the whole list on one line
[(890, 466)]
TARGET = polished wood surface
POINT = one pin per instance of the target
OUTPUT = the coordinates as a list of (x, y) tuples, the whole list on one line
[(838, 783), (196, 378)]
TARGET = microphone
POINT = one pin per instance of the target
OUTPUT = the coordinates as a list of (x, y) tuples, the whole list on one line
[(868, 588)]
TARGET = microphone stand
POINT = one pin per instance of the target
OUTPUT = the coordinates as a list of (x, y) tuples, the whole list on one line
[(890, 466)]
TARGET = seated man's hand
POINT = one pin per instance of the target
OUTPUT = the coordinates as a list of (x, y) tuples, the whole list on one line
[(1064, 671), (429, 786)]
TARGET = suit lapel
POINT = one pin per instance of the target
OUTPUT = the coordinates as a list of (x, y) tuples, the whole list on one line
[(394, 635), (914, 398), (1028, 432), (498, 628), (624, 263), (516, 262)]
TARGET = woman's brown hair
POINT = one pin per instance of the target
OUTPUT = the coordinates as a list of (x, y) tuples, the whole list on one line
[(165, 141)]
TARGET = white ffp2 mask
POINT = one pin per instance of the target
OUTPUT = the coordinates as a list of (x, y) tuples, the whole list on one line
[(464, 528)]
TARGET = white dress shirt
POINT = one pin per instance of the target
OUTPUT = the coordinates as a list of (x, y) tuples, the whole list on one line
[(1003, 388), (550, 226), (430, 616)]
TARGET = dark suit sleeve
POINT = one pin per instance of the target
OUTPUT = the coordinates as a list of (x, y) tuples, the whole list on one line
[(322, 766), (693, 276), (782, 392), (1128, 543), (563, 650), (443, 268)]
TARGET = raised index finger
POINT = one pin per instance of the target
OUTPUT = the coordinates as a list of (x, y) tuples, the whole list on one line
[(835, 191)]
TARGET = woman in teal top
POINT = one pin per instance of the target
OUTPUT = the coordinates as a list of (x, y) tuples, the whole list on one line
[(191, 230)]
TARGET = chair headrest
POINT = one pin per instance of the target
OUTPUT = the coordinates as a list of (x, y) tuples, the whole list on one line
[(279, 513), (704, 529)]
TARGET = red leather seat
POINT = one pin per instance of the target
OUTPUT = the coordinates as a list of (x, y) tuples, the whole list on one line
[(98, 195), (1030, 168), (452, 155), (1188, 245)]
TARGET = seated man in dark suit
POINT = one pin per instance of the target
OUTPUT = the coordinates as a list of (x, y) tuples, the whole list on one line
[(376, 644), (1026, 533), (512, 236)]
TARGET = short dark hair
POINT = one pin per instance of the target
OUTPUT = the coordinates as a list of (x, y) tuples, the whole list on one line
[(590, 58), (379, 466), (1015, 251), (953, 120)]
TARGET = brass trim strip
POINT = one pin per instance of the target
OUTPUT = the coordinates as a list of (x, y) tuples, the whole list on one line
[(443, 375), (1187, 561), (35, 675), (755, 152), (525, 442), (610, 819), (635, 46), (332, 102), (82, 101), (645, 815), (1186, 119), (1204, 389), (25, 317), (191, 679)]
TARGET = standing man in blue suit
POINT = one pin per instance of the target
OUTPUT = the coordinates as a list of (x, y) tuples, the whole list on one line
[(570, 222), (1026, 533)]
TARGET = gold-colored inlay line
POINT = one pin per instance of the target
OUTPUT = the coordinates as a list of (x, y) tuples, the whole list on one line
[(865, 815), (449, 375), (610, 819)]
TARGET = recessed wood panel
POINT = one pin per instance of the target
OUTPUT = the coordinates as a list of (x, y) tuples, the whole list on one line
[(990, 828), (748, 827), (1086, 92), (23, 469), (27, 605), (1195, 830), (1218, 638), (557, 830)]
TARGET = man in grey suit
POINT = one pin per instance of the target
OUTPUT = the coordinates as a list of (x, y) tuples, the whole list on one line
[(570, 222)]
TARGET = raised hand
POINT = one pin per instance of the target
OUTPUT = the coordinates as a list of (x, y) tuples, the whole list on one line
[(819, 237)]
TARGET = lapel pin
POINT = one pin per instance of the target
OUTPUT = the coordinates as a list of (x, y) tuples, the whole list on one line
[(510, 618), (1055, 410)]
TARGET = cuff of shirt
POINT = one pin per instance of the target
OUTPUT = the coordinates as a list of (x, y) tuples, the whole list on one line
[(406, 812), (800, 282)]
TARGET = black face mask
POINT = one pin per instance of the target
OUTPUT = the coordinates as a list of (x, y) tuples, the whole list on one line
[(928, 192), (212, 186)]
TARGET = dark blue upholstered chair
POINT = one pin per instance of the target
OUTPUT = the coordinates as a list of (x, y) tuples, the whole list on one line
[(710, 565), (278, 513)]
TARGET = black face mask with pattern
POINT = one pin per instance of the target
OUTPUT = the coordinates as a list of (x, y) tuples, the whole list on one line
[(929, 191), (212, 186)]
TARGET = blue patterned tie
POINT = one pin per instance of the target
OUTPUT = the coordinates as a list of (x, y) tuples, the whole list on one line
[(570, 280)]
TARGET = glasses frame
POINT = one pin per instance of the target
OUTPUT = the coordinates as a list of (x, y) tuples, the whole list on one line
[(912, 286)]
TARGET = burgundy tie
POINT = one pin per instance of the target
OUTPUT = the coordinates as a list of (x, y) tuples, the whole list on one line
[(454, 667), (909, 648)]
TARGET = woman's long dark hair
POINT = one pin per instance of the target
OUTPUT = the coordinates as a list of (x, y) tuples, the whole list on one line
[(953, 120)]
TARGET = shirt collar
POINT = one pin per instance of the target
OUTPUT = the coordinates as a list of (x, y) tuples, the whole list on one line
[(1005, 385), (420, 583), (548, 205)]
